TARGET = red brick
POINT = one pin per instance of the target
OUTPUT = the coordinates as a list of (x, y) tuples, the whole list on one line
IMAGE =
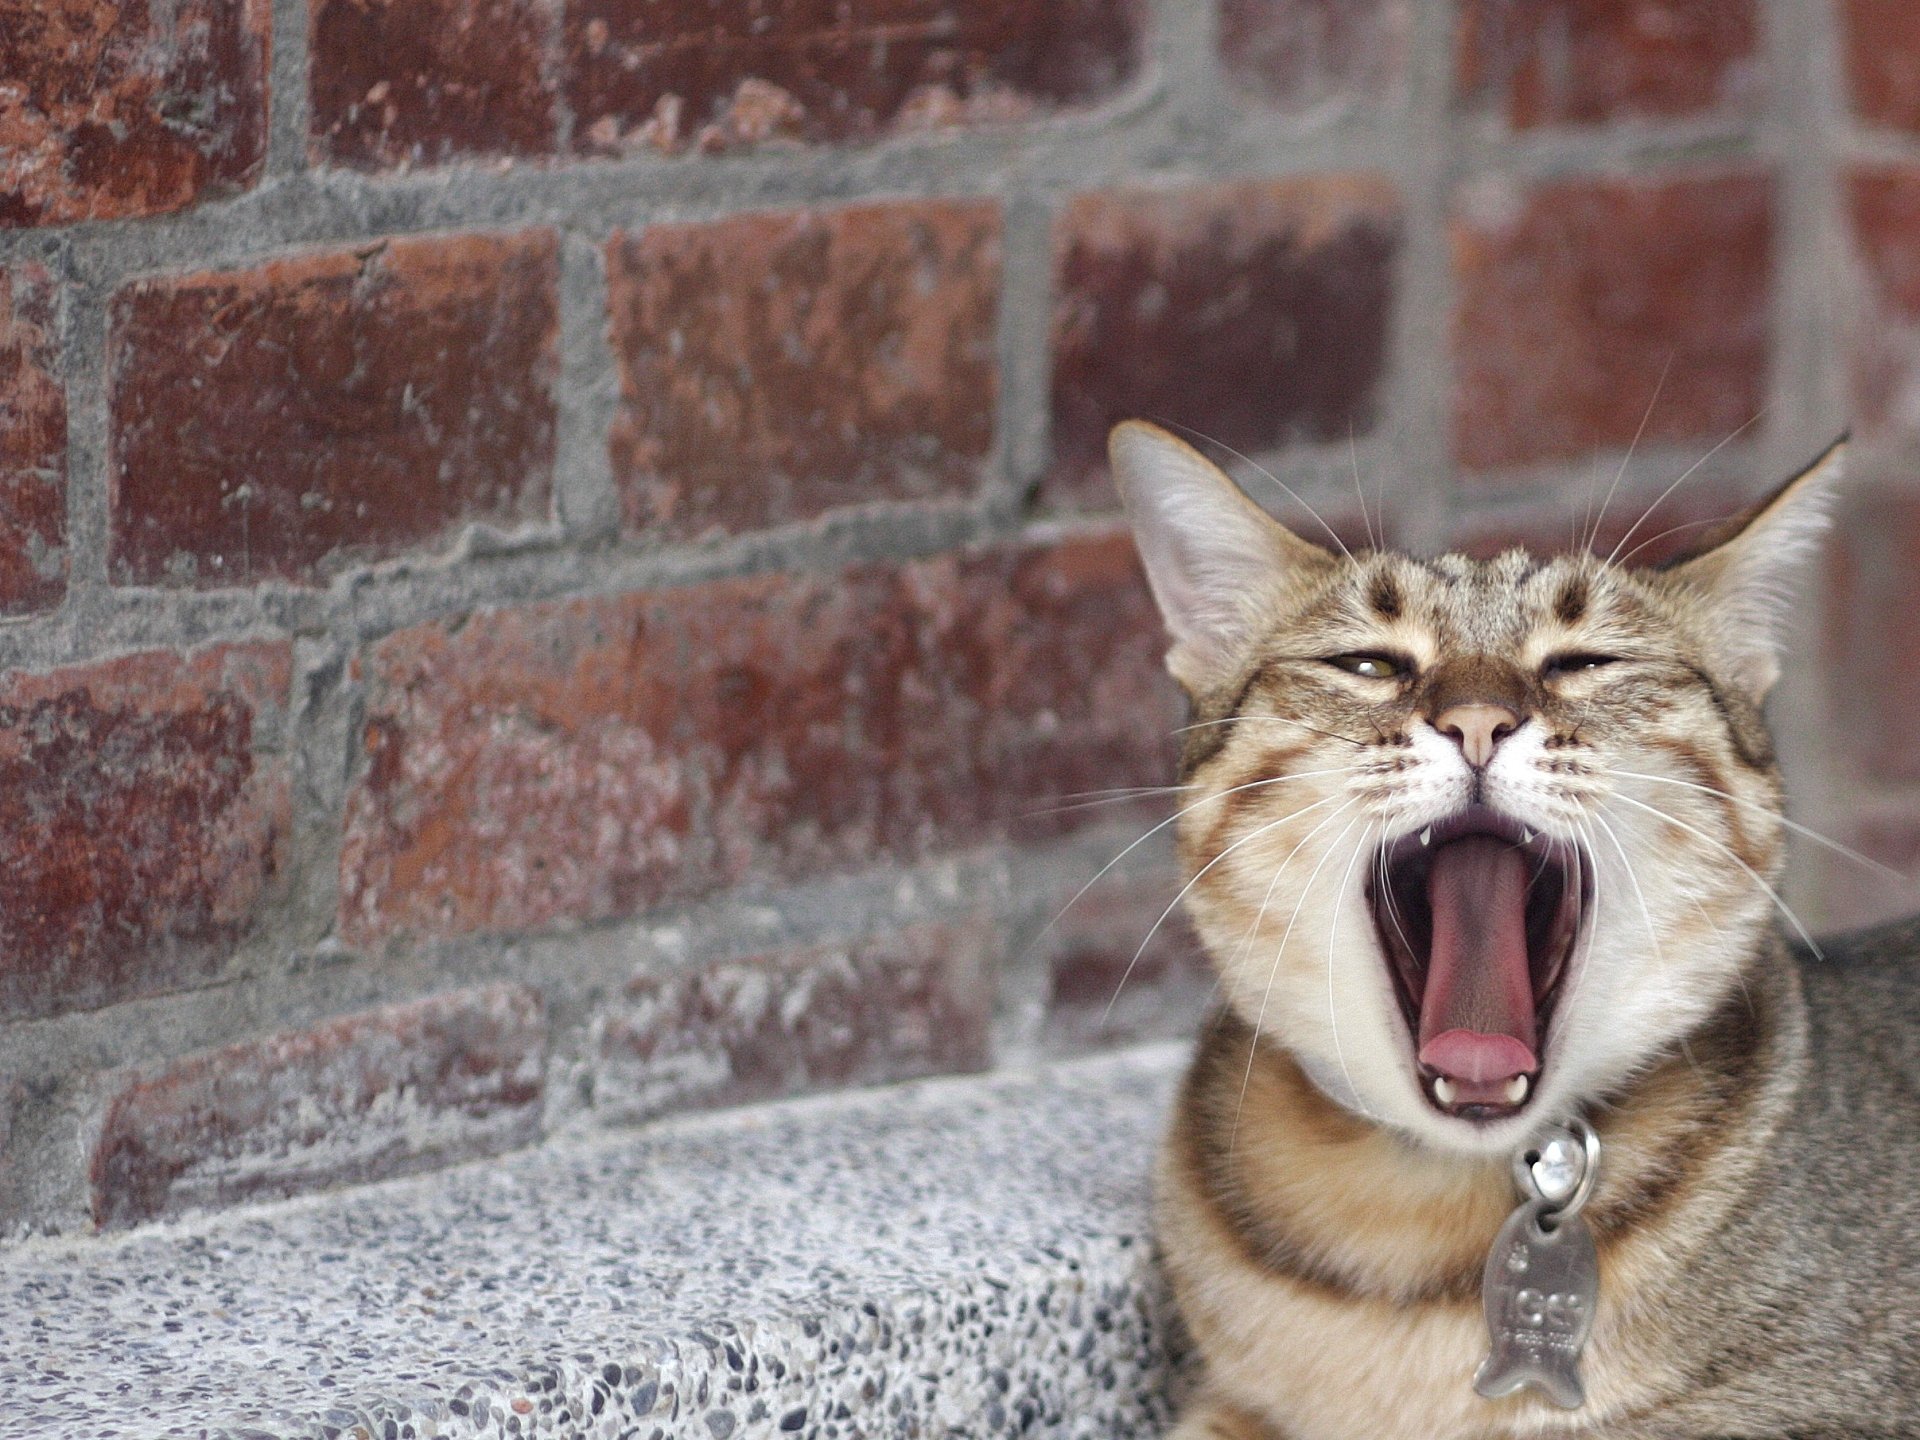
[(882, 1008), (148, 826), (1117, 971), (417, 82), (33, 446), (282, 422), (676, 73), (1577, 296), (1882, 42), (1587, 62), (1883, 204), (384, 1092), (1874, 571), (773, 367), (1301, 55), (114, 108), (1255, 312), (572, 762)]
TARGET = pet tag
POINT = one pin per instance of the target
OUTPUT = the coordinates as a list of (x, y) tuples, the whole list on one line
[(1543, 1275)]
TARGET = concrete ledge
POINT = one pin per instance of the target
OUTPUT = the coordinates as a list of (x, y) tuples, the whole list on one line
[(957, 1257)]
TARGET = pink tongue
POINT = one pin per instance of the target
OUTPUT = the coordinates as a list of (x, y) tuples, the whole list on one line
[(1476, 1017)]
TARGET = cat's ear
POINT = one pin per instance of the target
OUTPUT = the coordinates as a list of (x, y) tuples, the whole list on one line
[(1752, 569), (1213, 557)]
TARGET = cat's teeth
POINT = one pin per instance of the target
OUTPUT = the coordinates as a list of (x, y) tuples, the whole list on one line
[(1517, 1089), (1526, 838), (1444, 1090), (1426, 836)]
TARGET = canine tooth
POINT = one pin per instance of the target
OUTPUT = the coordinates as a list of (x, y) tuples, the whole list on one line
[(1444, 1090), (1517, 1089), (1426, 836), (1526, 836)]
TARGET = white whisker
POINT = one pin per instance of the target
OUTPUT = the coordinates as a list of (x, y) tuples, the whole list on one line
[(1199, 875), (1794, 826), (1287, 489), (1273, 971), (1752, 874), (1269, 720), (1333, 933), (1661, 498), (1627, 459), (1177, 815)]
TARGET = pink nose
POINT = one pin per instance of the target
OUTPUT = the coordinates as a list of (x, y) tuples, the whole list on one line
[(1478, 728)]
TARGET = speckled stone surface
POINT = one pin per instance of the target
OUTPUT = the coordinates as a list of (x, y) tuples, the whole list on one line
[(953, 1258)]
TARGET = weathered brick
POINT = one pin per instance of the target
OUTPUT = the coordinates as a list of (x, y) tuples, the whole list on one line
[(147, 827), (281, 422), (571, 762), (33, 446), (1587, 62), (113, 108), (1255, 312), (417, 82), (384, 1092), (890, 1007), (1117, 971), (676, 73), (775, 366), (1882, 43), (1874, 658), (1577, 296), (1309, 55)]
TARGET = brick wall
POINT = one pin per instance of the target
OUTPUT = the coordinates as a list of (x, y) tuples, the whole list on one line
[(555, 556)]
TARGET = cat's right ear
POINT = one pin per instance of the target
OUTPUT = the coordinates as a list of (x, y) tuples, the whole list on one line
[(1214, 559)]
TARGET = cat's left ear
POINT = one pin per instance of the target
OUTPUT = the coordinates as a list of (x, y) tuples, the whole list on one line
[(1751, 570)]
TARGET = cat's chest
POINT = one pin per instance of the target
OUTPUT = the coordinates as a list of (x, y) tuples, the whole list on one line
[(1330, 1367)]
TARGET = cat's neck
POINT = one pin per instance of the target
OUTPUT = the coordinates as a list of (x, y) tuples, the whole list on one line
[(1303, 1187)]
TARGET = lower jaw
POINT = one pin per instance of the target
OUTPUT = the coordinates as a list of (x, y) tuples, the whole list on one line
[(1478, 1100)]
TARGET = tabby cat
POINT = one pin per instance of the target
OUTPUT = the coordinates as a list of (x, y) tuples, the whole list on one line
[(1477, 846)]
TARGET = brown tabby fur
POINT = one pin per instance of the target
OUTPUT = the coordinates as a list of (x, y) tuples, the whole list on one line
[(1758, 1211)]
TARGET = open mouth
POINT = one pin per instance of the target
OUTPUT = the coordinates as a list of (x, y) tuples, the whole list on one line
[(1478, 915)]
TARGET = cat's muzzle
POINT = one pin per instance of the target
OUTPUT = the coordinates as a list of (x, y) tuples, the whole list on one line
[(1478, 916)]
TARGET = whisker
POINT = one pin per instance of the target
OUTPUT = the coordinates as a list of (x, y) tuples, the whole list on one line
[(1199, 875), (1177, 815), (1295, 495), (1273, 971), (1118, 797), (1353, 456), (1633, 879), (1661, 498), (1333, 935), (1739, 977), (1659, 535), (1772, 894), (1627, 459), (1271, 720), (1814, 835)]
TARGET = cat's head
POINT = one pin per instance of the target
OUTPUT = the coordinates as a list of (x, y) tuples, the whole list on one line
[(1475, 841)]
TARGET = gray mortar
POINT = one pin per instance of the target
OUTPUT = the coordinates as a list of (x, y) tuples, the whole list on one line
[(958, 1257)]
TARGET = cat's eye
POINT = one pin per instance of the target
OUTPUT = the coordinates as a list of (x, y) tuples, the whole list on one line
[(1575, 662), (1370, 666)]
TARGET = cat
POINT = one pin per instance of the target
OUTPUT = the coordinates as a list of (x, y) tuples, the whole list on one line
[(1479, 846)]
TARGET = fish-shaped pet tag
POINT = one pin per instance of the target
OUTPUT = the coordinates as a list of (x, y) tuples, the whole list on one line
[(1543, 1274)]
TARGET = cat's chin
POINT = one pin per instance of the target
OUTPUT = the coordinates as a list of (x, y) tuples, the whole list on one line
[(1478, 916)]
